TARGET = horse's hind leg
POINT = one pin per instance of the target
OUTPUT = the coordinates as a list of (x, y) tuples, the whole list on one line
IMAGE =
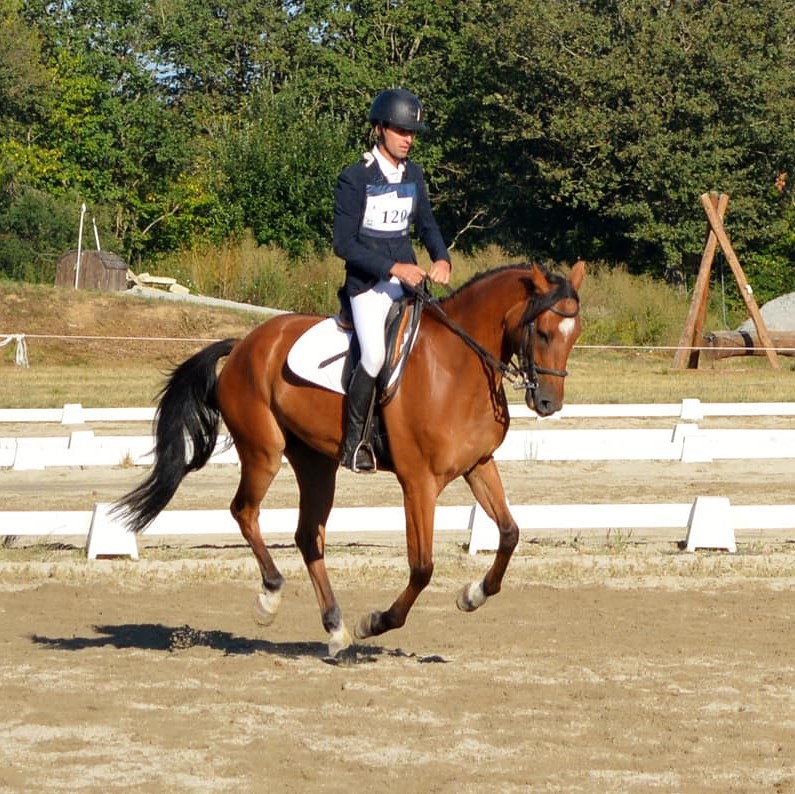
[(316, 475), (484, 480), (258, 468)]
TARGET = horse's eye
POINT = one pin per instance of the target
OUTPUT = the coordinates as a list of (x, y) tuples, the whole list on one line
[(543, 337)]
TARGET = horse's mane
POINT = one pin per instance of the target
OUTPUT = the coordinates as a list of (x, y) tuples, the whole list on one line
[(553, 278)]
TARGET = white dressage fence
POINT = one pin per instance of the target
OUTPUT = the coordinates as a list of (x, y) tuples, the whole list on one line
[(686, 441), (689, 409), (710, 522)]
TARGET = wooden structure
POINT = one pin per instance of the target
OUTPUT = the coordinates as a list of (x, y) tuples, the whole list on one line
[(690, 343), (100, 270)]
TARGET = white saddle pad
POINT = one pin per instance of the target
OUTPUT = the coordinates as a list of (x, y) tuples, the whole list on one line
[(318, 355)]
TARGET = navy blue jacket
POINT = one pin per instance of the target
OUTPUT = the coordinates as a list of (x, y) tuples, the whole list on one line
[(369, 256)]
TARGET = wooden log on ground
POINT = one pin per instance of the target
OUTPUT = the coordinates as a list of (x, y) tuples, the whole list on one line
[(725, 344)]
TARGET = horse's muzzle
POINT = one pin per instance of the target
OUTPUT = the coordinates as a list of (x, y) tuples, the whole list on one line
[(543, 401)]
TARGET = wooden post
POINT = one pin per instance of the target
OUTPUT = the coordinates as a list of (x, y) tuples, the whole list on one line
[(687, 351), (745, 288)]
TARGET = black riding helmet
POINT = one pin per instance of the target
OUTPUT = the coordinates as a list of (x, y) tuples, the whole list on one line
[(397, 107)]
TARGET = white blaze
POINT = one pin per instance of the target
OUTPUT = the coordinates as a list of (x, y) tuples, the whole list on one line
[(566, 327)]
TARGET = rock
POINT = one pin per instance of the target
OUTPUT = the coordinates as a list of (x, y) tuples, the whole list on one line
[(778, 314)]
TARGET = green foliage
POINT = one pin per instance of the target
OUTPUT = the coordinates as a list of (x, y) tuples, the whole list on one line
[(622, 309), (24, 79), (280, 167), (602, 123), (618, 308), (38, 229), (557, 130), (261, 275)]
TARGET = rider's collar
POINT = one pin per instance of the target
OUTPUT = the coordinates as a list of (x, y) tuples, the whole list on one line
[(392, 173)]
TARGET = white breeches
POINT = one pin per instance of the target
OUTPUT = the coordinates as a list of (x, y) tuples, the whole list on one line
[(369, 310)]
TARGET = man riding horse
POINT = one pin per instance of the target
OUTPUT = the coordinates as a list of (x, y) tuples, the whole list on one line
[(376, 202)]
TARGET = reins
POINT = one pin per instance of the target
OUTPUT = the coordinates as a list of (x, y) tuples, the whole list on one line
[(525, 376)]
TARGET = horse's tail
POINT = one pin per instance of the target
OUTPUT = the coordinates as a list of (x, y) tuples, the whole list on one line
[(189, 409)]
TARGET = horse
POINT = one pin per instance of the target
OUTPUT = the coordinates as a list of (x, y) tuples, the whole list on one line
[(446, 419)]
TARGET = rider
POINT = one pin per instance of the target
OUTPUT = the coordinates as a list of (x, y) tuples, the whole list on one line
[(376, 201)]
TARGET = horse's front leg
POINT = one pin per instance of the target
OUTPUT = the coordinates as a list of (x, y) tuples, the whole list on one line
[(486, 485), (418, 502)]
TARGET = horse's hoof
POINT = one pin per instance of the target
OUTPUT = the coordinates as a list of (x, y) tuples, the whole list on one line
[(471, 597), (347, 657), (266, 607), (339, 641), (364, 628)]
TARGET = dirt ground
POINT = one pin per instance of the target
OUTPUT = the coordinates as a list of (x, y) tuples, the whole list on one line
[(609, 662)]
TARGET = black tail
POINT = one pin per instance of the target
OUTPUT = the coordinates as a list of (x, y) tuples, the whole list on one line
[(188, 410)]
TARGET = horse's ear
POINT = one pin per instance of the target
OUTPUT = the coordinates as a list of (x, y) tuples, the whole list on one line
[(538, 279), (577, 273)]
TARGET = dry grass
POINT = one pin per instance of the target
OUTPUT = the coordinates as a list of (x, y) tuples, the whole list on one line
[(123, 366), (638, 376)]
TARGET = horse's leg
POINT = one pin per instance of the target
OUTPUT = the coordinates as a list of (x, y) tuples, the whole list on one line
[(486, 485), (258, 468), (316, 476), (419, 500)]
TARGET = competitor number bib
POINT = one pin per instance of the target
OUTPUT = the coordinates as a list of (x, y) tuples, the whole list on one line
[(388, 209)]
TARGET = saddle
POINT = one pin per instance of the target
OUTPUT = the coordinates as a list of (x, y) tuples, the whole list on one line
[(328, 352)]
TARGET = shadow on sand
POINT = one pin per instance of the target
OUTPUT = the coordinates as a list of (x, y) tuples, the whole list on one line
[(157, 637)]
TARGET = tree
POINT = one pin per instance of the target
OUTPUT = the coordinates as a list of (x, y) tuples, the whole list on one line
[(586, 128), (591, 128), (280, 167)]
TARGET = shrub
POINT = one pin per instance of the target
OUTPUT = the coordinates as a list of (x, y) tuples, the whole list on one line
[(35, 229)]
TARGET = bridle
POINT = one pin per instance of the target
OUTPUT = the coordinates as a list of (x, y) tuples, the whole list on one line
[(525, 375), (527, 365)]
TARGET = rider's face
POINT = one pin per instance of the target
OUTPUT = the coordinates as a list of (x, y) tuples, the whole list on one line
[(394, 142)]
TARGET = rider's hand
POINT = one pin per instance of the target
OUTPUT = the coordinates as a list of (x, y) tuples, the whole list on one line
[(440, 272), (408, 273)]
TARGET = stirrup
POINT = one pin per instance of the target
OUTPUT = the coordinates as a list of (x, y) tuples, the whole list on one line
[(363, 459)]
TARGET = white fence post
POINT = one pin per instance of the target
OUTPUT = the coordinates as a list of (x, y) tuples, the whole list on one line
[(710, 525), (108, 537)]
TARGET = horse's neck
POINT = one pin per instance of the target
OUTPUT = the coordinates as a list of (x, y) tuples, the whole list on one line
[(480, 310), (484, 303)]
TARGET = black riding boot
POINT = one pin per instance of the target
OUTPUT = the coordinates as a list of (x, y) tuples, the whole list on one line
[(357, 453)]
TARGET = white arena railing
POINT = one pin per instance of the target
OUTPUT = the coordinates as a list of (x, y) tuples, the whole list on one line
[(690, 409), (686, 441), (710, 522)]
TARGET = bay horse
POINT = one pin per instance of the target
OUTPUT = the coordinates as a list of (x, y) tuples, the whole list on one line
[(447, 418)]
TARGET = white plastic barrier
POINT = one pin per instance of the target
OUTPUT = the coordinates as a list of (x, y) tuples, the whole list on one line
[(84, 448), (710, 522), (76, 414), (689, 409), (686, 442)]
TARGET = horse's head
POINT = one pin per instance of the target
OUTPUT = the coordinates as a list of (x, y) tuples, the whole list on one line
[(545, 334)]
